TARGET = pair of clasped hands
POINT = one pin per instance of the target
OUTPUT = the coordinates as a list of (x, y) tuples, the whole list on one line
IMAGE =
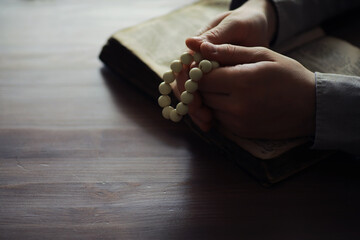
[(256, 92)]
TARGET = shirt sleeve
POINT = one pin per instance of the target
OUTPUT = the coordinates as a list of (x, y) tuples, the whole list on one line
[(337, 113), (295, 16)]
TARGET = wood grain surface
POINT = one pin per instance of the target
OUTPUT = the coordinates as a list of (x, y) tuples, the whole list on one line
[(84, 155)]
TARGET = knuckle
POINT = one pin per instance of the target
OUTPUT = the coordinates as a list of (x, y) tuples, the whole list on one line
[(239, 107), (230, 51), (213, 34), (261, 51)]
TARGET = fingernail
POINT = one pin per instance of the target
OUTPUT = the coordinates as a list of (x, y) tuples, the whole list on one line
[(198, 38)]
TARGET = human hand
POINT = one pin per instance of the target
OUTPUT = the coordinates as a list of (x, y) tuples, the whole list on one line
[(258, 93), (252, 24)]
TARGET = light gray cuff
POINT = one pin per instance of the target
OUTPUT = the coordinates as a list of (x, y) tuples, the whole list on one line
[(337, 113)]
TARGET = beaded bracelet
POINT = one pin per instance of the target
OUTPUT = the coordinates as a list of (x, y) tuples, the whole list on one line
[(191, 85)]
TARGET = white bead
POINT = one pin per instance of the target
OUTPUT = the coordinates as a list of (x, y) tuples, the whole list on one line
[(164, 88), (195, 74), (164, 100), (182, 109), (176, 66), (214, 64), (197, 57), (186, 97), (168, 77), (205, 66), (166, 112), (186, 58), (174, 116), (191, 86)]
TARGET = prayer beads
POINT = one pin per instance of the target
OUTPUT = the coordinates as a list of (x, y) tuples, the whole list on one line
[(191, 85)]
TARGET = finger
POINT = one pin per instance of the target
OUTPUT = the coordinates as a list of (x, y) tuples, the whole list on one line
[(219, 102), (175, 89), (227, 54), (194, 42), (202, 125), (203, 113), (197, 110), (196, 103), (220, 80), (231, 122), (182, 77), (214, 23), (177, 85), (202, 118), (220, 34)]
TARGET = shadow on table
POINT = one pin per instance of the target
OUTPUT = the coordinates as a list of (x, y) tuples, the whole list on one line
[(321, 201)]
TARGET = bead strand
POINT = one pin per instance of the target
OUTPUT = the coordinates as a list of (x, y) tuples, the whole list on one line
[(191, 85)]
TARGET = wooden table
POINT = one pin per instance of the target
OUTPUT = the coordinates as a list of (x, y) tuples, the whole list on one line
[(84, 155)]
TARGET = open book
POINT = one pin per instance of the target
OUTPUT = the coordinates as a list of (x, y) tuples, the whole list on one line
[(142, 53)]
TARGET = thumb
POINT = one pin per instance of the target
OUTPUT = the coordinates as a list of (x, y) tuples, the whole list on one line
[(214, 35), (212, 32), (227, 54)]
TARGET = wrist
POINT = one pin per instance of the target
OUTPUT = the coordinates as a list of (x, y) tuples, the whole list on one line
[(268, 10)]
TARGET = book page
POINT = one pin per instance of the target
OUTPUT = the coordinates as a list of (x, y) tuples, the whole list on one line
[(161, 40), (329, 55)]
